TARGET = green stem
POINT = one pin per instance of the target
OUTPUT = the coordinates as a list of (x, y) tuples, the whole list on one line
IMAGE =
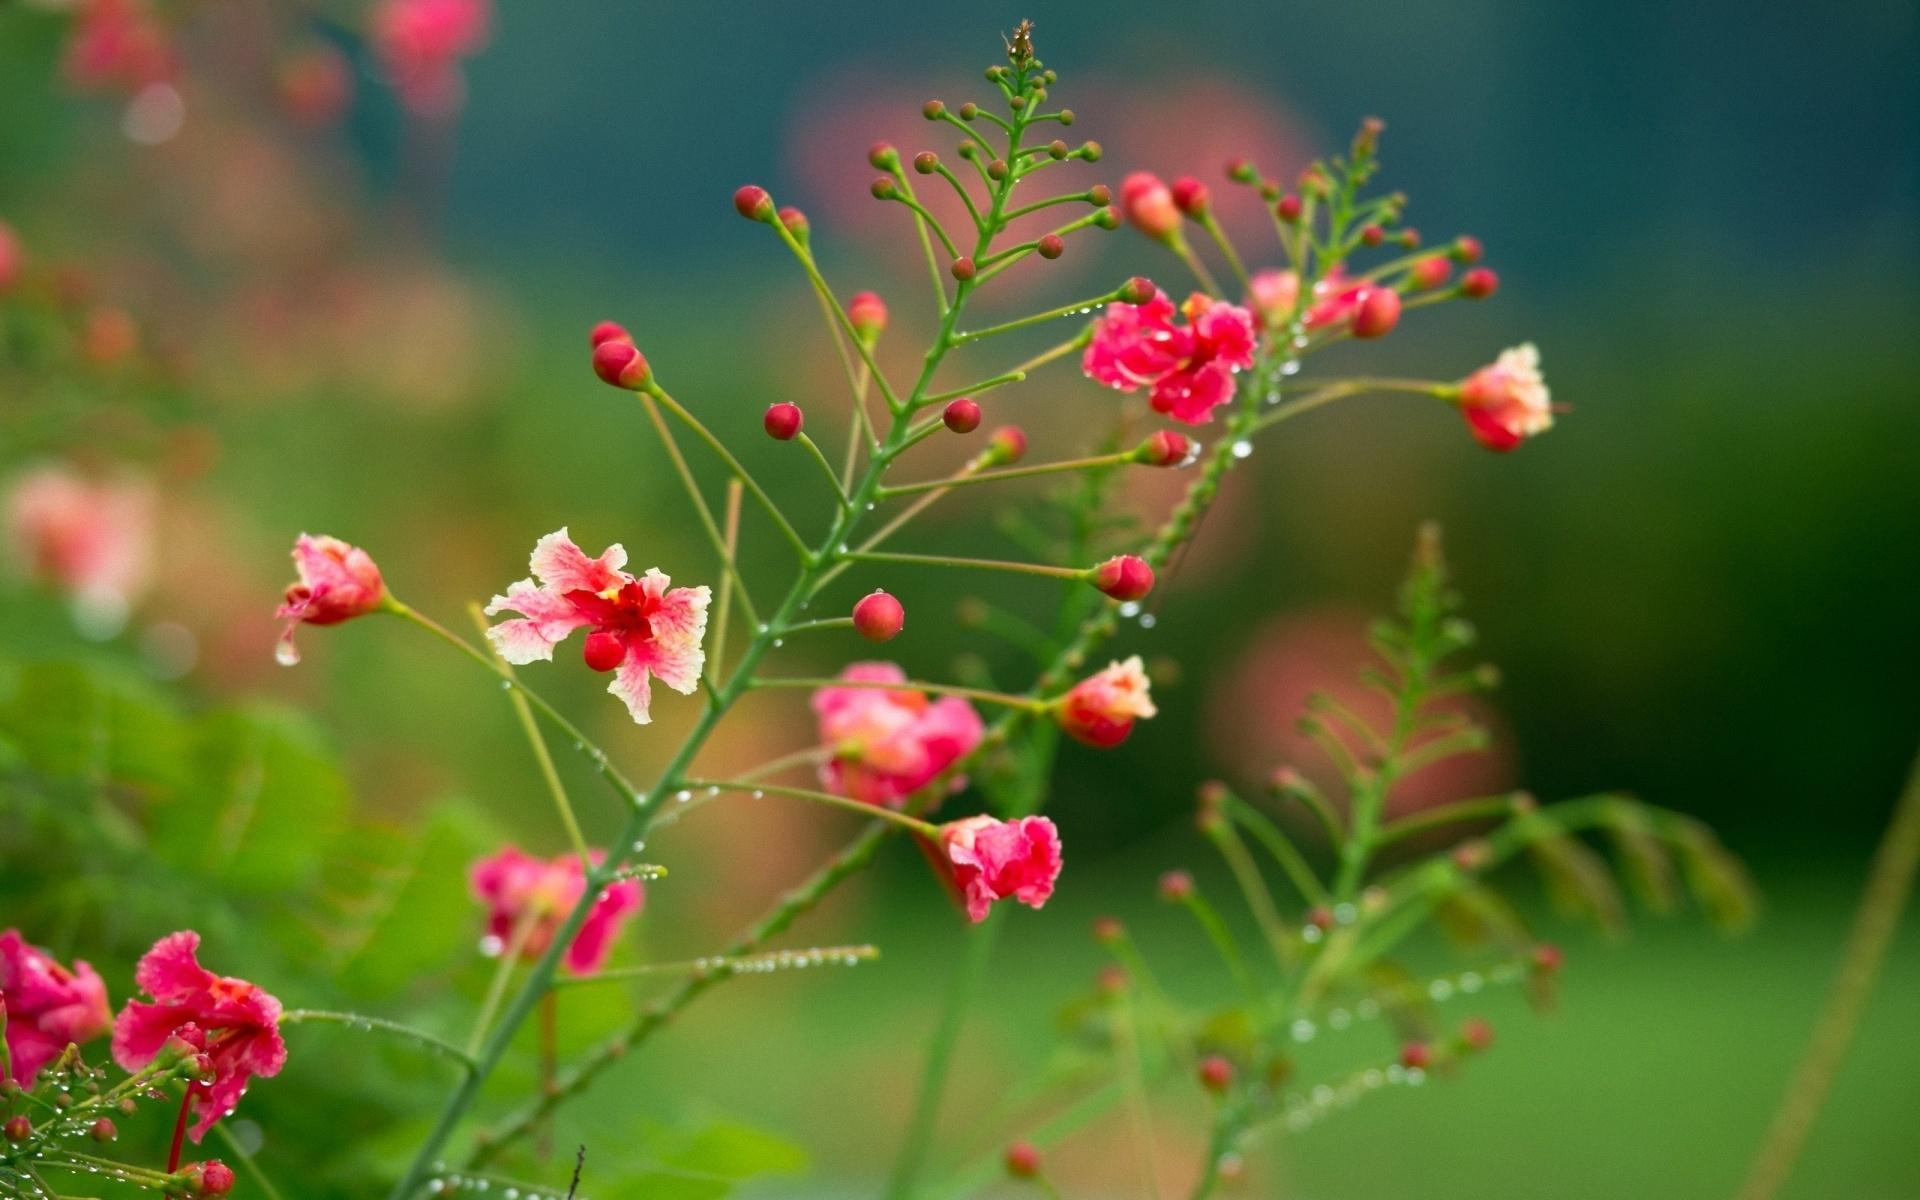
[(524, 712), (833, 479), (723, 544), (497, 986), (976, 564), (1005, 699), (362, 1021), (726, 456), (731, 964), (1052, 468), (924, 828)]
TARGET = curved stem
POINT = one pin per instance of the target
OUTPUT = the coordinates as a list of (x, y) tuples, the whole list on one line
[(1005, 699), (723, 545), (733, 464), (362, 1021), (913, 824), (524, 712), (1052, 468)]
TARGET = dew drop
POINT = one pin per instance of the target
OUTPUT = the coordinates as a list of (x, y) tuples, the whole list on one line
[(1242, 448), (1148, 620), (286, 653)]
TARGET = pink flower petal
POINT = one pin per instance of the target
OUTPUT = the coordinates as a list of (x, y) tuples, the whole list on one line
[(564, 567)]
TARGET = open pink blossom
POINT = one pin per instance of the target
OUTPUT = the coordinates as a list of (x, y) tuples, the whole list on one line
[(1100, 710), (93, 539), (887, 743), (337, 583), (518, 888), (47, 1006), (641, 628), (991, 860), (1507, 401), (234, 1024), (421, 43), (1188, 369)]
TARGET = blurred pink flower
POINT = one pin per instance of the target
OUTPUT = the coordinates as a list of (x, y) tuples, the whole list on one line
[(991, 860), (641, 629), (421, 43), (117, 44), (233, 1023), (887, 743), (316, 85), (90, 538), (1189, 369), (46, 1006), (1100, 710), (519, 889), (1507, 401), (11, 257), (337, 583)]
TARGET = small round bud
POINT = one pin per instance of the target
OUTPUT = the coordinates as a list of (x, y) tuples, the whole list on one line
[(1466, 249), (1137, 290), (1016, 103), (882, 156), (1378, 313), (753, 203), (867, 313), (961, 415), (969, 111), (1216, 1074), (1241, 170), (962, 269), (1051, 246), (609, 331), (1547, 958), (796, 223), (1416, 1056), (1471, 855), (1091, 151), (1429, 272), (1023, 1160), (103, 1130), (968, 151), (1479, 283), (1066, 116), (1289, 208), (1320, 917), (1314, 182), (994, 74), (1007, 445), (1108, 930), (783, 421), (879, 617), (603, 650), (1372, 235), (1112, 980), (997, 169), (1165, 449), (1124, 577), (17, 1129), (1176, 886), (1476, 1034), (882, 188), (1410, 238), (925, 162), (1191, 196), (933, 110), (1148, 204), (621, 364), (215, 1178), (1057, 149), (1107, 218), (1100, 195)]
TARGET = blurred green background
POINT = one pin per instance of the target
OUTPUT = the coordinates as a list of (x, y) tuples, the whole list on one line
[(1700, 586)]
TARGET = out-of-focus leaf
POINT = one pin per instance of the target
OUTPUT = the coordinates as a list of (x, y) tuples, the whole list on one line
[(1579, 881)]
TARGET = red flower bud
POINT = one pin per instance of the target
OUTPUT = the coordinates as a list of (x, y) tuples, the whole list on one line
[(962, 415), (1148, 203), (1410, 237), (1006, 446), (1547, 958), (969, 111), (1051, 246), (867, 312), (1373, 235), (1165, 449), (609, 331), (1191, 196), (783, 421), (1289, 208), (879, 617), (1241, 170), (1023, 1160), (621, 364), (1479, 283), (1138, 290), (1124, 577), (881, 156), (1430, 272), (1466, 249), (1377, 314), (1099, 195), (1176, 886), (1320, 917), (18, 1129), (1216, 1074), (932, 110), (103, 1130), (604, 650), (1476, 1034), (796, 223), (753, 203), (925, 162), (1108, 930), (962, 269), (882, 188), (1416, 1056), (212, 1178)]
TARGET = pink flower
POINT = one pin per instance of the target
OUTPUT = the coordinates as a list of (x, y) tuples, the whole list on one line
[(421, 42), (1507, 401), (337, 583), (233, 1023), (1147, 203), (90, 538), (1189, 368), (11, 257), (518, 887), (117, 43), (47, 1007), (641, 629), (1100, 710), (887, 743), (1272, 293), (991, 859)]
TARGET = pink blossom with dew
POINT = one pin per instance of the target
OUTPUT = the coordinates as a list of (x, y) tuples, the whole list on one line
[(886, 743), (92, 539), (991, 859), (518, 889), (46, 1006), (337, 583), (1100, 710), (421, 43), (640, 629), (234, 1024), (1507, 401), (1189, 369)]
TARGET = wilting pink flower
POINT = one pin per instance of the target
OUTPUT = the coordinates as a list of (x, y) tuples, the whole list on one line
[(1506, 401), (117, 44), (991, 859), (233, 1023), (887, 743), (1189, 368), (47, 1007), (540, 892), (337, 582), (640, 627), (421, 43), (1100, 710), (92, 539)]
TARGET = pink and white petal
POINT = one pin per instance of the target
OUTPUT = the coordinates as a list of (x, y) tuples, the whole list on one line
[(170, 972), (630, 684), (141, 1029), (547, 620), (673, 652), (565, 567)]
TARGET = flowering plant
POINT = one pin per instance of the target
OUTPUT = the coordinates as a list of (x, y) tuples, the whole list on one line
[(962, 769)]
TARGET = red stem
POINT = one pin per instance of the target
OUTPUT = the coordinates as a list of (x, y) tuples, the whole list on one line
[(179, 1131)]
